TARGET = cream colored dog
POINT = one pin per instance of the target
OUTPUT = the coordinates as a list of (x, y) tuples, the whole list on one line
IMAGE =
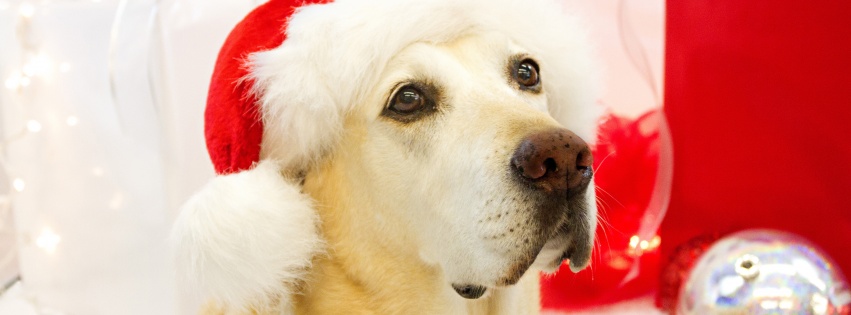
[(421, 199), (457, 172)]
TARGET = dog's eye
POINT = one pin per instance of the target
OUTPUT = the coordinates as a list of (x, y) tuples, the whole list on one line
[(527, 74), (408, 100)]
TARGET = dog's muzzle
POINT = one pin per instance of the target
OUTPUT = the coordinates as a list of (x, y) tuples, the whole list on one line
[(556, 165)]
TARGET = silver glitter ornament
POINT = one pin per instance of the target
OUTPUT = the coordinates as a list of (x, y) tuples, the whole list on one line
[(764, 272)]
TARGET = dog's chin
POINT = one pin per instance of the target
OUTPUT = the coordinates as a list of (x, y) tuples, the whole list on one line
[(568, 241), (558, 250), (572, 242), (566, 245), (549, 259)]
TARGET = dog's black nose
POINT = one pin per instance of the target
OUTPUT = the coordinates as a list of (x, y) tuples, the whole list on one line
[(554, 161)]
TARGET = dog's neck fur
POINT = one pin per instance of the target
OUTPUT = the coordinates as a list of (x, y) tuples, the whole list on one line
[(388, 276)]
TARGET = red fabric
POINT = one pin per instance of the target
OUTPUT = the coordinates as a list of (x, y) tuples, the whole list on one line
[(758, 97), (232, 123), (626, 160)]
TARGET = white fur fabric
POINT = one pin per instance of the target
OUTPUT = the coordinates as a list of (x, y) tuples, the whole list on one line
[(246, 238)]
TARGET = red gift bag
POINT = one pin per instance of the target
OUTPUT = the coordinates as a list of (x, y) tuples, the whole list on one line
[(758, 98)]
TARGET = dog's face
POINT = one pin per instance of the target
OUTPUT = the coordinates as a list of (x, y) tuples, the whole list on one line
[(457, 141)]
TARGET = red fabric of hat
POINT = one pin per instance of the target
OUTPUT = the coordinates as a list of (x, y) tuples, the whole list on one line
[(232, 121)]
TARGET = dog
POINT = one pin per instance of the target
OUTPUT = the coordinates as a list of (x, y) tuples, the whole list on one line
[(451, 181)]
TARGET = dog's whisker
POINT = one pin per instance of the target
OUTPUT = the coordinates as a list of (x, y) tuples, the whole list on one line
[(608, 242), (603, 205), (598, 240), (606, 224), (601, 218), (602, 208), (600, 201), (599, 259), (603, 221), (604, 227), (600, 189), (603, 161)]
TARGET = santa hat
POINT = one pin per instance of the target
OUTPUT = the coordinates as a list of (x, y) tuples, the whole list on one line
[(285, 78)]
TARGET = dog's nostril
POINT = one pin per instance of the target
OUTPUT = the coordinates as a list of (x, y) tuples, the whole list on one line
[(524, 165), (584, 160), (550, 165)]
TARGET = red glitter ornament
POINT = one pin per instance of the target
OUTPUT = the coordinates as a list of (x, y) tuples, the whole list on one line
[(677, 268)]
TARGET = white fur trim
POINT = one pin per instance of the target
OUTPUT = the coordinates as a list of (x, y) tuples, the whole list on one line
[(247, 238), (335, 52)]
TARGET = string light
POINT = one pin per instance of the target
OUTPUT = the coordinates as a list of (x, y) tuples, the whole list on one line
[(48, 241), (97, 172), (33, 126), (37, 65), (26, 10), (117, 201), (633, 241), (637, 246), (19, 184), (655, 241), (24, 81), (13, 82)]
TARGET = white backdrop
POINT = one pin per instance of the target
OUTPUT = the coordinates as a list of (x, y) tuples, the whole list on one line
[(104, 101), (102, 138)]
